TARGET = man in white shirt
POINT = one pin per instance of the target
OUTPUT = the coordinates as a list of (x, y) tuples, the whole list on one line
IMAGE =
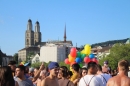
[(104, 77), (91, 79)]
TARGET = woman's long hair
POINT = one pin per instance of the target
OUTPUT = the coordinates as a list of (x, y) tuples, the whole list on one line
[(6, 76)]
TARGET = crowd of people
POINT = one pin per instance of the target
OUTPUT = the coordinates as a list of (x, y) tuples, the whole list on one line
[(92, 74)]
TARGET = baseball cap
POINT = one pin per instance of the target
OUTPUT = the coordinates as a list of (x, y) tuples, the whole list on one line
[(53, 65), (105, 62)]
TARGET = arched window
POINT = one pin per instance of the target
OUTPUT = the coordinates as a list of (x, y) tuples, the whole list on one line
[(27, 41)]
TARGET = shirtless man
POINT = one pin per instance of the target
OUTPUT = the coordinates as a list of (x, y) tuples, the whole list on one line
[(52, 79), (121, 79)]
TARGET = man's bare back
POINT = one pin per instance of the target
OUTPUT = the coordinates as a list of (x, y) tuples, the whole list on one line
[(119, 81), (49, 82)]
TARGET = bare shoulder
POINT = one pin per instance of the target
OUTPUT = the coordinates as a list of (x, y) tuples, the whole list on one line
[(129, 79), (44, 82), (110, 81)]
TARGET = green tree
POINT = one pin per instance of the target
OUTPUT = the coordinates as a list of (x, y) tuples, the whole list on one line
[(63, 64), (28, 58), (36, 64), (117, 53), (16, 57)]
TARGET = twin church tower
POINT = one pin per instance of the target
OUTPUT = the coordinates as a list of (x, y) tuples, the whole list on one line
[(32, 37)]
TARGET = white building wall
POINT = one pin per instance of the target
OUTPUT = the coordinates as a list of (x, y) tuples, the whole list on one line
[(48, 53), (52, 53), (22, 55), (61, 53)]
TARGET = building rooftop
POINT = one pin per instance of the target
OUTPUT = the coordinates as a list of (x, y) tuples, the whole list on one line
[(31, 48), (2, 54), (105, 49), (53, 42)]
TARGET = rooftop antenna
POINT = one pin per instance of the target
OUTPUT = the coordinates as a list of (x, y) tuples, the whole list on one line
[(65, 33)]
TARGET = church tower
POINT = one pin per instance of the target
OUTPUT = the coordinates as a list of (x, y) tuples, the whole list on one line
[(37, 33), (29, 35)]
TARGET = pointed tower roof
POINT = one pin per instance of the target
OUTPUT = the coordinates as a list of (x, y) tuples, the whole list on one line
[(29, 20), (65, 34), (37, 22)]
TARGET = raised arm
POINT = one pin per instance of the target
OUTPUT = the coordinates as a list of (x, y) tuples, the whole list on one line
[(38, 73)]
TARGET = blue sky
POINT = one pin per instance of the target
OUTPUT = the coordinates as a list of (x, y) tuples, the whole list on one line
[(87, 21)]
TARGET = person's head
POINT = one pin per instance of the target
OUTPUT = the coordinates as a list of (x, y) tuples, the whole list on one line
[(69, 74), (6, 77), (83, 72), (99, 67), (105, 63), (12, 65), (123, 65), (129, 68), (75, 67), (20, 71), (112, 72), (62, 73), (92, 67), (31, 71), (26, 69), (53, 68), (64, 68)]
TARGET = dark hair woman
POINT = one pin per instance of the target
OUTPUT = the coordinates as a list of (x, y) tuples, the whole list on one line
[(64, 81), (6, 76)]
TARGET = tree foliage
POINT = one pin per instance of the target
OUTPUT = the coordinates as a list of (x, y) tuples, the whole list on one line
[(63, 64), (107, 43), (117, 53), (16, 57), (28, 58), (38, 64)]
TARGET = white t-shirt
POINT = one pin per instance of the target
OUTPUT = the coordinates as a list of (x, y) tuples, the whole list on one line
[(95, 81), (129, 74), (104, 78)]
